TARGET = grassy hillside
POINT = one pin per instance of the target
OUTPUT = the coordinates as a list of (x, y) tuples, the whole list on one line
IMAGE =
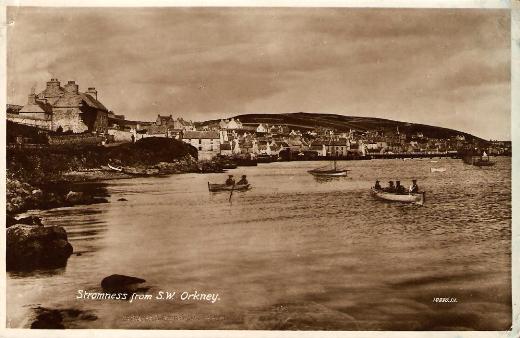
[(304, 121)]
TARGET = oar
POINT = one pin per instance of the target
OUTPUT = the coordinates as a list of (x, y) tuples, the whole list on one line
[(231, 194)]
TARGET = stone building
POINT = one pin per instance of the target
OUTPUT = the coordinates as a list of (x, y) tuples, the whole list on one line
[(206, 142), (36, 113), (64, 108)]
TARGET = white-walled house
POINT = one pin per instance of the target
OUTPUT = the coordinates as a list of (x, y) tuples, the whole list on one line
[(206, 142)]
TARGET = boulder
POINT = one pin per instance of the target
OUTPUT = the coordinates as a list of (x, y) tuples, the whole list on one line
[(37, 193), (120, 283), (75, 197), (59, 318), (31, 247)]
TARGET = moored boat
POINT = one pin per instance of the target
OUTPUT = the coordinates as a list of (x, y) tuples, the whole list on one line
[(115, 168), (330, 172), (417, 198), (214, 187)]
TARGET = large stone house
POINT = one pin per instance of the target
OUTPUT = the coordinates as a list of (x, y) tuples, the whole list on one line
[(206, 142), (64, 108)]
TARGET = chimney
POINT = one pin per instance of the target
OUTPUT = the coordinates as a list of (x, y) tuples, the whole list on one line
[(71, 87), (92, 92), (31, 99), (53, 84)]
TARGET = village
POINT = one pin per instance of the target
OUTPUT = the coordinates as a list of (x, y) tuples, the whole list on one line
[(69, 116)]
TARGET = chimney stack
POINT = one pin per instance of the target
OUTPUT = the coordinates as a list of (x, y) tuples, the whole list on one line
[(92, 92), (31, 99), (53, 85), (71, 87)]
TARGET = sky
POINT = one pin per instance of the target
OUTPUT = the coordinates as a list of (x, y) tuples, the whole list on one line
[(443, 67)]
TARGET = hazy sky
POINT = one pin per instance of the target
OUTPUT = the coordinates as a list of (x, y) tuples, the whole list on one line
[(442, 67)]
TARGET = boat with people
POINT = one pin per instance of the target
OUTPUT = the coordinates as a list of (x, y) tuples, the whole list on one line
[(416, 198), (214, 187), (329, 172)]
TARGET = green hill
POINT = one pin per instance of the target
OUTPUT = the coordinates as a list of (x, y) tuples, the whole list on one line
[(306, 121)]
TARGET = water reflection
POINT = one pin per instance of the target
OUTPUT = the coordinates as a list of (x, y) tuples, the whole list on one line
[(294, 252)]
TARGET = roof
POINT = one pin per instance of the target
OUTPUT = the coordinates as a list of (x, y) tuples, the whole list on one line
[(189, 134), (38, 107), (74, 100), (153, 129)]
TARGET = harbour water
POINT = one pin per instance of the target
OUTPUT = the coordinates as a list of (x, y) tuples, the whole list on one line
[(292, 253)]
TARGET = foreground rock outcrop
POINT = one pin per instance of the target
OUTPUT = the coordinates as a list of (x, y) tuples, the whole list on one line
[(121, 283), (31, 247), (60, 318)]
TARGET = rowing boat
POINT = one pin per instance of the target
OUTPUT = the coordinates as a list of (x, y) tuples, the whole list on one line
[(437, 170), (417, 198), (213, 187)]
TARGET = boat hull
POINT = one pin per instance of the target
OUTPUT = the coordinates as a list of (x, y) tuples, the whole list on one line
[(437, 170), (214, 187), (405, 198), (329, 173)]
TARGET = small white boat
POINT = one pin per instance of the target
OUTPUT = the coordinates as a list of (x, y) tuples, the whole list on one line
[(434, 161), (437, 170), (330, 172), (417, 198), (115, 168)]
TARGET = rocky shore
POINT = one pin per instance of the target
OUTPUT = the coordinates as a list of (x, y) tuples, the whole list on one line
[(48, 178)]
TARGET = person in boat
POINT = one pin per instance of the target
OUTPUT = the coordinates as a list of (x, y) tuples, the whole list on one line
[(399, 188), (391, 187), (377, 186), (230, 180), (414, 188), (243, 180)]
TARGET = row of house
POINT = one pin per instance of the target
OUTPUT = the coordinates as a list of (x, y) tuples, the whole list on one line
[(65, 108)]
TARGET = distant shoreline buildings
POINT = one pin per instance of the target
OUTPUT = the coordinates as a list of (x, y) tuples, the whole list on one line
[(81, 116)]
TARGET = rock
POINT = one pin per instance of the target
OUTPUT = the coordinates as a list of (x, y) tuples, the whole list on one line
[(30, 220), (48, 319), (122, 199), (9, 221), (120, 283), (60, 318), (74, 197), (30, 247), (37, 193)]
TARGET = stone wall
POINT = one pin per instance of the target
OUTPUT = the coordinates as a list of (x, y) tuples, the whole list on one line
[(121, 135), (43, 124), (69, 119), (77, 139)]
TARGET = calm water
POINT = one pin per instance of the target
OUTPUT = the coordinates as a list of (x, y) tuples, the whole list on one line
[(293, 253)]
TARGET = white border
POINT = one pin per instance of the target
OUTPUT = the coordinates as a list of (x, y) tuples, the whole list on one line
[(515, 123)]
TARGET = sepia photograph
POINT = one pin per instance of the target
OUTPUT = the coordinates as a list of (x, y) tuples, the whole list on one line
[(258, 168)]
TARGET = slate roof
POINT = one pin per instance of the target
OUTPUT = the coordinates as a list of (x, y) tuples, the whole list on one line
[(38, 107), (190, 134), (74, 100)]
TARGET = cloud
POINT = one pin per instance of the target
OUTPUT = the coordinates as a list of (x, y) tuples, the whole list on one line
[(422, 65)]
